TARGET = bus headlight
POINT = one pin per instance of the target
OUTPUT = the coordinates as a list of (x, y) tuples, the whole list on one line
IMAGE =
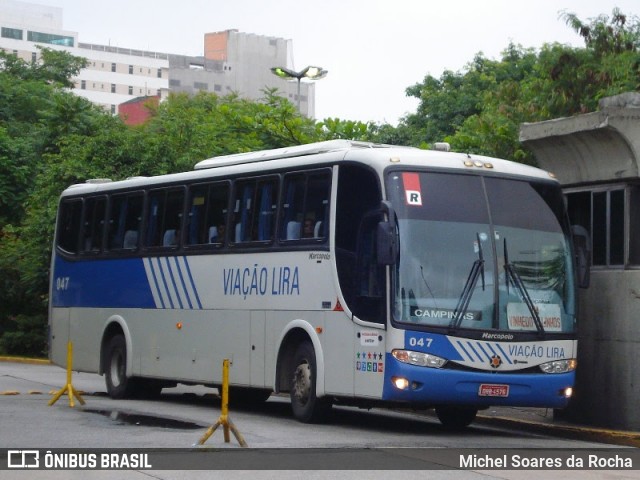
[(418, 358), (559, 366)]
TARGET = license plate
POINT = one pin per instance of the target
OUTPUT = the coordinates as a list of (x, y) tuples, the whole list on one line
[(489, 390)]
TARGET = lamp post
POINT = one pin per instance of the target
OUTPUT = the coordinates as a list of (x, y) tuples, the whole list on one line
[(312, 73)]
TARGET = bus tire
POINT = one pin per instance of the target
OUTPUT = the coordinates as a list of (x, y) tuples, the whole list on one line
[(456, 418), (306, 406), (118, 384)]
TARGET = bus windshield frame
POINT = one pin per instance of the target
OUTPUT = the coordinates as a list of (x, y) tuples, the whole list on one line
[(481, 253)]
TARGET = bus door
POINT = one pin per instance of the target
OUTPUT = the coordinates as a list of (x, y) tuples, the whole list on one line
[(369, 305)]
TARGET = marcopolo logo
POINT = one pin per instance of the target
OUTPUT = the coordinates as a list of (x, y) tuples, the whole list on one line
[(23, 459)]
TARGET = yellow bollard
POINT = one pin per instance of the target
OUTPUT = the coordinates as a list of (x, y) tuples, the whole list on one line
[(224, 419), (68, 388)]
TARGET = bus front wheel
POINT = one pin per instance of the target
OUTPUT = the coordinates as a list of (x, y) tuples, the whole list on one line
[(456, 418), (306, 406), (118, 384)]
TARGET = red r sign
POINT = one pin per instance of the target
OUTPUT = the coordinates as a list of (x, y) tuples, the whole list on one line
[(413, 195)]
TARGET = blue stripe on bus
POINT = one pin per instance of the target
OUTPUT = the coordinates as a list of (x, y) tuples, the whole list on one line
[(193, 284), (464, 350), (182, 282), (503, 353), (156, 283), (164, 282), (173, 282), (119, 282), (484, 351), (152, 282)]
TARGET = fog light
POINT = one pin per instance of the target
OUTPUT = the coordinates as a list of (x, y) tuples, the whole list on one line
[(567, 392), (400, 383)]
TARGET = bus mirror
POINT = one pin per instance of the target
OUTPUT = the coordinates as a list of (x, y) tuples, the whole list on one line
[(387, 245), (582, 252)]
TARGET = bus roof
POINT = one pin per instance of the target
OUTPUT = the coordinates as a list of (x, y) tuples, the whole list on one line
[(286, 152), (376, 156)]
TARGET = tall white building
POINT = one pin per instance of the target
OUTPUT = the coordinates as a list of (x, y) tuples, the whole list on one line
[(113, 76), (233, 62)]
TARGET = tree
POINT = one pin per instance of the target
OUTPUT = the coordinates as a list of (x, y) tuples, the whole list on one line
[(480, 108), (606, 35), (37, 112), (76, 142)]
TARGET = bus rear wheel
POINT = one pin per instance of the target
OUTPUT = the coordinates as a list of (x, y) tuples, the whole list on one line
[(115, 371), (456, 418), (306, 406)]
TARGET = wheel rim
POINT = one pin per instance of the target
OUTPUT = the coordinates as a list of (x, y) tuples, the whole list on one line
[(302, 383), (116, 372)]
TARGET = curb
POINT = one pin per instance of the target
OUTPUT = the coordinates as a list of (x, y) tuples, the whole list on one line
[(32, 361), (577, 432)]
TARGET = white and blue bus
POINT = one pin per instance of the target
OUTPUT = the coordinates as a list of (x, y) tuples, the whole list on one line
[(338, 272)]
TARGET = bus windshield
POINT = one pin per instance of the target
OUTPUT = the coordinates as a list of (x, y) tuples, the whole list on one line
[(482, 253)]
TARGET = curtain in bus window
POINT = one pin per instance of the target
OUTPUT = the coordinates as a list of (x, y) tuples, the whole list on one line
[(153, 220), (93, 223), (217, 203), (243, 227), (294, 186), (172, 218), (266, 213), (120, 209), (317, 203), (198, 227), (194, 222)]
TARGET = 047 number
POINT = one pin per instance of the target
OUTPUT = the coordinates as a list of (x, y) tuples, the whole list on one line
[(420, 342)]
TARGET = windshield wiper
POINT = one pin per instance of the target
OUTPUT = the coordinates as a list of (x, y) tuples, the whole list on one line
[(517, 282), (428, 287), (477, 270)]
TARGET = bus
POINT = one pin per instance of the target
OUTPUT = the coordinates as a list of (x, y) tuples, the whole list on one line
[(339, 273)]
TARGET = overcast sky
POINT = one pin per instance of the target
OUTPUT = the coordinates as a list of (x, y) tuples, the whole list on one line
[(373, 49)]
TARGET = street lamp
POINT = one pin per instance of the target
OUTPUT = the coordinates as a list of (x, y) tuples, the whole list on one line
[(312, 73)]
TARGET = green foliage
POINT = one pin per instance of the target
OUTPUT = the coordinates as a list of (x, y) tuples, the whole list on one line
[(54, 67), (606, 36), (336, 129), (27, 336), (480, 108), (50, 139)]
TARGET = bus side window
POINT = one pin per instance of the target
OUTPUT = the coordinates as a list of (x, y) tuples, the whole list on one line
[(164, 218), (69, 225), (207, 214), (125, 219), (255, 210), (305, 206)]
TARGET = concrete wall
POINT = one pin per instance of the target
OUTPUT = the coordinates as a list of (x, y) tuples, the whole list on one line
[(587, 152), (608, 375)]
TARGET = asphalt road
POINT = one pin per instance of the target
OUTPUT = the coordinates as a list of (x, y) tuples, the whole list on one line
[(182, 415)]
